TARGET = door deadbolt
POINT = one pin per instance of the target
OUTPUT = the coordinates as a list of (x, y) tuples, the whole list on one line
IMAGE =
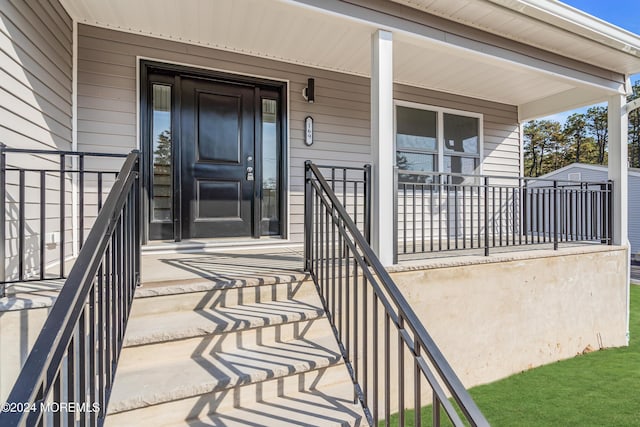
[(249, 173)]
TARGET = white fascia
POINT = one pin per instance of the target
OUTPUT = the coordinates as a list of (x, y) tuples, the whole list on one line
[(576, 21)]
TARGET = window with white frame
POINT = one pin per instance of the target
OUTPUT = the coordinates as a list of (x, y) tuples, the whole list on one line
[(430, 139)]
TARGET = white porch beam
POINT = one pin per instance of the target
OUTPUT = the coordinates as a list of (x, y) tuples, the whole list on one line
[(382, 145), (561, 102)]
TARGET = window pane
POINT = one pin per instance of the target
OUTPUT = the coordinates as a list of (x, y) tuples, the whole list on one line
[(416, 129), (462, 165), (461, 134), (415, 161), (270, 184), (162, 205)]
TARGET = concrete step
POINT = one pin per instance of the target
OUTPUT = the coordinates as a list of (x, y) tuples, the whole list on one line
[(187, 334), (310, 399), (148, 389), (322, 406), (170, 297)]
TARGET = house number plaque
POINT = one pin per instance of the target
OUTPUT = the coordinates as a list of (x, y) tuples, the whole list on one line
[(308, 130)]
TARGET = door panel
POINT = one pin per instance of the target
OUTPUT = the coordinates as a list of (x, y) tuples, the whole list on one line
[(217, 139), (219, 133)]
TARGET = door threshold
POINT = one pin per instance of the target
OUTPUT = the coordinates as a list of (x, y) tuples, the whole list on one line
[(216, 245)]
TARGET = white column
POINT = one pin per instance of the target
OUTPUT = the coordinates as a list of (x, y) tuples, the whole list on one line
[(618, 173), (618, 165), (382, 145)]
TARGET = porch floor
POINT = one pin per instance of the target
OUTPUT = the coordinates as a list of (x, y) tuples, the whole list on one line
[(224, 265), (273, 264)]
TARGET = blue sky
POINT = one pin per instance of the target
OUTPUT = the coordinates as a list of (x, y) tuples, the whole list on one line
[(623, 13)]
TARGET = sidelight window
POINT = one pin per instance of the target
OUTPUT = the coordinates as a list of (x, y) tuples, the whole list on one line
[(162, 188)]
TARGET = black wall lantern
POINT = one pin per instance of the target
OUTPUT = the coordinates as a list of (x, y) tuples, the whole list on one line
[(309, 92)]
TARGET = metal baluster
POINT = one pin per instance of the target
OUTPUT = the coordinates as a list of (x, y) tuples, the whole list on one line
[(81, 202), (431, 213), (43, 223), (387, 369), (455, 213), (3, 218), (486, 216), (404, 218), (413, 194), (464, 218), (82, 363), (401, 378), (71, 377), (447, 221), (62, 212), (376, 368), (493, 216), (21, 225), (422, 217), (417, 374), (555, 216)]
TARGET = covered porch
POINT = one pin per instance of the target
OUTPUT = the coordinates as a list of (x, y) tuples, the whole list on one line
[(331, 83), (366, 63)]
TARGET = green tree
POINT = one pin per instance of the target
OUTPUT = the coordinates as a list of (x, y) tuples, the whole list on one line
[(598, 129), (541, 137), (575, 131)]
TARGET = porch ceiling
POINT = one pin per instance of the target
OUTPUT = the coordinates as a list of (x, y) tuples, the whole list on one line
[(304, 34)]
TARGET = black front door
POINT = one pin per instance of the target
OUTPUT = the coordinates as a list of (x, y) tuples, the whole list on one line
[(218, 148), (214, 154)]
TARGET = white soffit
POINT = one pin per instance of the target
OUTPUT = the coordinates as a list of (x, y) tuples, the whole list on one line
[(289, 32), (549, 25)]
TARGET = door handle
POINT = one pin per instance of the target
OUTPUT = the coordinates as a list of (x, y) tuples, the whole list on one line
[(249, 173)]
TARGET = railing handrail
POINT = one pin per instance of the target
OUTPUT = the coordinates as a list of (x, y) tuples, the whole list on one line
[(60, 152), (482, 176), (447, 374), (58, 330)]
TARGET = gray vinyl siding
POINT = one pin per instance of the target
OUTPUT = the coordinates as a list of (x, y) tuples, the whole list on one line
[(107, 118), (36, 55)]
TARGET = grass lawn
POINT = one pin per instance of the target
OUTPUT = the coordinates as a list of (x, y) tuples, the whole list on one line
[(596, 389)]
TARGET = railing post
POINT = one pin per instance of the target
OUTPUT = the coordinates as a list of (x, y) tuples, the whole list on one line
[(367, 202), (307, 216), (3, 216), (137, 188), (555, 215), (523, 213), (395, 215), (610, 213), (486, 216)]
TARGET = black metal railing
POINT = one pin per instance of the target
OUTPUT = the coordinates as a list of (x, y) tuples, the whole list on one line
[(438, 212), (393, 362), (352, 186), (42, 203), (68, 375)]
